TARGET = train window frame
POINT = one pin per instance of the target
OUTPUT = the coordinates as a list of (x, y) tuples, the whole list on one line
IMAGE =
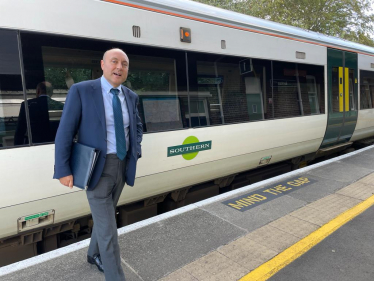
[(17, 68), (180, 75), (320, 95), (362, 73), (85, 44)]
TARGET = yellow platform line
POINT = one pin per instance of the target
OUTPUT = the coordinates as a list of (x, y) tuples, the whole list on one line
[(268, 269)]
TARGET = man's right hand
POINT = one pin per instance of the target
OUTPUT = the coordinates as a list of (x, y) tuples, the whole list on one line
[(67, 181)]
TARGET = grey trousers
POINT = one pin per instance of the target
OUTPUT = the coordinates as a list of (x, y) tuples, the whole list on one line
[(103, 200)]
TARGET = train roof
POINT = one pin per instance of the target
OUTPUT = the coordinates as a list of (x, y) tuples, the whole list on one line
[(206, 12)]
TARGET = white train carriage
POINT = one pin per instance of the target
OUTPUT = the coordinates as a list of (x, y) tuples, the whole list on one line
[(220, 93)]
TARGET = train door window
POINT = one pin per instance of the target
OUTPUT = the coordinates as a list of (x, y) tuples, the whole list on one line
[(352, 100), (254, 108), (337, 89), (13, 123), (366, 89)]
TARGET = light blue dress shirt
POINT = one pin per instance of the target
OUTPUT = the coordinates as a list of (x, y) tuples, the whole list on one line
[(109, 117)]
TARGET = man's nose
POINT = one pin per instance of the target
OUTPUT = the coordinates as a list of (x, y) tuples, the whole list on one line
[(119, 65)]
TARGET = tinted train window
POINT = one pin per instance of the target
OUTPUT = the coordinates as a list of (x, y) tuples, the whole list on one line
[(257, 78), (13, 125), (366, 89), (205, 90), (298, 89), (286, 98), (343, 83), (50, 72), (227, 89), (351, 84), (312, 89), (220, 89), (154, 79), (53, 64)]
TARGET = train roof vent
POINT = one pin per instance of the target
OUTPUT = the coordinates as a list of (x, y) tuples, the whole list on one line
[(136, 31), (223, 44), (372, 65), (300, 55)]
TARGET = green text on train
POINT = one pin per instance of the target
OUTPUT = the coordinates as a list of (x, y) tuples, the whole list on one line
[(190, 148)]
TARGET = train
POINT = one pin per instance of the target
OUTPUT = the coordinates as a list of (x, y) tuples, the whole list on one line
[(225, 99)]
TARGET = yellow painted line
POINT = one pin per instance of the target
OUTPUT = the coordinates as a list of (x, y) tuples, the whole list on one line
[(268, 269)]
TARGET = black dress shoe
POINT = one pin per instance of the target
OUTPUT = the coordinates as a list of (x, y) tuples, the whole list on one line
[(96, 260)]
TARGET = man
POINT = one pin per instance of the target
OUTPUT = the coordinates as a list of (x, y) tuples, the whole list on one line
[(43, 129), (104, 115)]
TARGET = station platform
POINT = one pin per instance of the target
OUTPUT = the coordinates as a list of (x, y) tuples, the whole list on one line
[(251, 233)]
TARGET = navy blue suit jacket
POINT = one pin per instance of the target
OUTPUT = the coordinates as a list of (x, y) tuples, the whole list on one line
[(84, 114)]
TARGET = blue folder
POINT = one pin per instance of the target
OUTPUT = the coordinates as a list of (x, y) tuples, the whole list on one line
[(82, 163)]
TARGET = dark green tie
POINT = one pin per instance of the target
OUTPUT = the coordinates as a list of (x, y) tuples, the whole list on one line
[(118, 125)]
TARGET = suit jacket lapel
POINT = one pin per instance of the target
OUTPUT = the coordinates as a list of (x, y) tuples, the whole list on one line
[(128, 103), (99, 103), (130, 109)]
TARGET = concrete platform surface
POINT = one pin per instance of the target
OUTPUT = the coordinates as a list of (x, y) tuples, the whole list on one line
[(228, 236), (345, 255)]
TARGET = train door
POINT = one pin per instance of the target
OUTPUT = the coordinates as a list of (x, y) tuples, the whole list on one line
[(342, 97)]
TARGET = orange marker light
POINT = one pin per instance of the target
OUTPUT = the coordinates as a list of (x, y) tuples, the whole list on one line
[(185, 35)]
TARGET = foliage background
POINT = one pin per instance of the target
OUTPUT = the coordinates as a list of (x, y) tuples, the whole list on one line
[(352, 20)]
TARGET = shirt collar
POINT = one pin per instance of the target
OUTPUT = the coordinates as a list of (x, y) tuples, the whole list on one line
[(106, 86)]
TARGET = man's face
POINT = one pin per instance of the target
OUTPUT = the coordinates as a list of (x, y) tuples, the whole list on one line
[(115, 66)]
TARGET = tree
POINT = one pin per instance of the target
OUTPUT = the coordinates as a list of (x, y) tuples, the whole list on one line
[(348, 19)]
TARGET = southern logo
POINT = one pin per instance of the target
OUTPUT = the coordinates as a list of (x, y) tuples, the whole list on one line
[(190, 148)]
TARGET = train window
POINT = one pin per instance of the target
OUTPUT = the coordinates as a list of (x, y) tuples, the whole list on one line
[(337, 82), (13, 125), (220, 89), (366, 89), (352, 98), (47, 87), (227, 89), (343, 96), (311, 86), (233, 90), (53, 64), (286, 95), (257, 82), (154, 79), (205, 90), (297, 89)]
